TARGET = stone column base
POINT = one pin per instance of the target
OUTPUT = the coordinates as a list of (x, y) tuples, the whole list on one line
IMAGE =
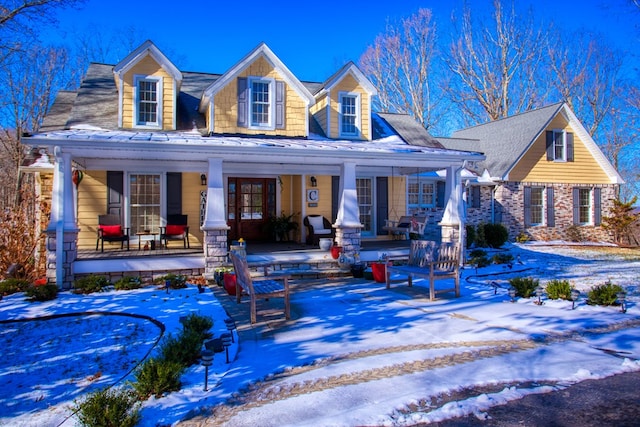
[(451, 233), (68, 256), (350, 238), (215, 250)]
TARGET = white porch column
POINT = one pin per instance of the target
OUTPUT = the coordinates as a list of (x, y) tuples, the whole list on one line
[(347, 225), (452, 222), (62, 231), (215, 226)]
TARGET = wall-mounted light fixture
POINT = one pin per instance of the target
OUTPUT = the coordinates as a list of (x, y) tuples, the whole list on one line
[(203, 179), (314, 181)]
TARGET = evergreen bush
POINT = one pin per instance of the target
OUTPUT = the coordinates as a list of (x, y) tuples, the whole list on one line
[(605, 294), (41, 292), (502, 258), (176, 281), (198, 324), (127, 283), (524, 286), (109, 408), (11, 286), (471, 235), (495, 235), (90, 284), (156, 377), (183, 348), (559, 289)]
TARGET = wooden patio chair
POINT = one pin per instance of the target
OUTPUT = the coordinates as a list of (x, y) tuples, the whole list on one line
[(177, 228), (258, 289), (436, 263), (111, 230)]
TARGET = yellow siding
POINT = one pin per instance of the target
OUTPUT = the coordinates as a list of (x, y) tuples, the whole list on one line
[(226, 105), (534, 166), (397, 198), (148, 67), (350, 84), (191, 188), (324, 202), (319, 111), (92, 201)]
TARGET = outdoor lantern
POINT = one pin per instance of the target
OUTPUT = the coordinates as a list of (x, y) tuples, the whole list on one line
[(226, 342), (512, 294), (621, 299), (207, 360), (203, 179), (231, 325), (167, 284), (539, 295), (574, 297), (314, 181)]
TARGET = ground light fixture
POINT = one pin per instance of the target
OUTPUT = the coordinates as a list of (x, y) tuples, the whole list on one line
[(226, 342), (512, 294), (574, 297), (206, 361), (622, 296), (231, 326), (539, 291)]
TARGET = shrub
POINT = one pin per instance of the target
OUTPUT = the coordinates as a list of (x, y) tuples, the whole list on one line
[(502, 258), (495, 235), (127, 283), (477, 253), (471, 235), (198, 324), (604, 294), (41, 292), (524, 286), (11, 286), (479, 261), (175, 281), (109, 408), (559, 289), (90, 284), (183, 349), (522, 237), (480, 240), (574, 234), (156, 377)]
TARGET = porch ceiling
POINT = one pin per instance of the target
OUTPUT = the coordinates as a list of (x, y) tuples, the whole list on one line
[(95, 149)]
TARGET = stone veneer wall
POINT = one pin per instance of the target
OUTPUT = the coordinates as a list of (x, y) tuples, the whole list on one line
[(68, 256), (215, 251), (350, 239)]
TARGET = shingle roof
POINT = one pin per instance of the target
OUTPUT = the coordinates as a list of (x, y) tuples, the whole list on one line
[(409, 130), (503, 141), (59, 113)]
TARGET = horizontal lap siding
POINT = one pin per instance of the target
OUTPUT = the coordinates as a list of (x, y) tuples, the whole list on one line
[(92, 201), (534, 166), (350, 84), (191, 188)]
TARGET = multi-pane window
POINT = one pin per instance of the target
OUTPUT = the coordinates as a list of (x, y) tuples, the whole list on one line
[(147, 102), (420, 194), (584, 205), (144, 194), (364, 189), (559, 146), (537, 205), (349, 115), (260, 103)]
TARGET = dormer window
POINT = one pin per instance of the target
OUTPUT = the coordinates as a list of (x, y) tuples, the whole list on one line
[(261, 103), (148, 101), (349, 115)]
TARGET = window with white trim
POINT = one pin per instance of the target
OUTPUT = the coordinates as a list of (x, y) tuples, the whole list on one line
[(349, 114), (537, 205), (559, 146), (148, 101), (364, 190), (584, 205), (420, 194), (262, 100), (145, 201)]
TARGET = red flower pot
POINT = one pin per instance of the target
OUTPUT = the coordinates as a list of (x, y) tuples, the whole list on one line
[(379, 272), (230, 283), (335, 252)]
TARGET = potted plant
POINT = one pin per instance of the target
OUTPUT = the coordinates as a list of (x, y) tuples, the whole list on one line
[(281, 226), (379, 269)]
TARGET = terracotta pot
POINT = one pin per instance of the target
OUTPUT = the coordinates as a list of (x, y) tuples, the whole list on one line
[(230, 283), (335, 252), (379, 272)]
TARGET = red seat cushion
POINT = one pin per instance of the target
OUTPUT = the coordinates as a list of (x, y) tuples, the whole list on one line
[(173, 230), (111, 230)]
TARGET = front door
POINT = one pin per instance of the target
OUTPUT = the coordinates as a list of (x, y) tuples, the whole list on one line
[(251, 201)]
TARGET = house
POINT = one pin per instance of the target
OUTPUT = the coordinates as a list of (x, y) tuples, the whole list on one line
[(229, 151), (544, 177)]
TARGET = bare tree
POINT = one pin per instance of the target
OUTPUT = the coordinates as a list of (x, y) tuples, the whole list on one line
[(400, 63), (495, 64)]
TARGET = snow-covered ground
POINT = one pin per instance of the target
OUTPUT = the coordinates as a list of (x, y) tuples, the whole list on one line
[(354, 353)]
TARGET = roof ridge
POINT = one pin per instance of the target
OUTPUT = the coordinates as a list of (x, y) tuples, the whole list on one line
[(522, 113)]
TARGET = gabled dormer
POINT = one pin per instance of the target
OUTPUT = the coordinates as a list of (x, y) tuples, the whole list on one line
[(343, 105), (148, 87), (258, 95)]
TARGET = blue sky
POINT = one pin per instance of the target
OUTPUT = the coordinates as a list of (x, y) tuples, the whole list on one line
[(313, 39)]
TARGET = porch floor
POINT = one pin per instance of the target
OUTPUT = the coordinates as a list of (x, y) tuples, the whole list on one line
[(191, 261)]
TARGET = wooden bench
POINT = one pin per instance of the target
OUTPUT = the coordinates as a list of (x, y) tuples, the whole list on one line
[(258, 289), (426, 259), (405, 225)]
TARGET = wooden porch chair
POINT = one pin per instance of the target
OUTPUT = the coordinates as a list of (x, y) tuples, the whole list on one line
[(435, 263), (110, 230), (177, 228), (258, 289)]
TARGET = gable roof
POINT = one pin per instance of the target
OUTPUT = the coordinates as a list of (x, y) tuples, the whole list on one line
[(505, 141), (147, 49), (262, 50), (348, 68)]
